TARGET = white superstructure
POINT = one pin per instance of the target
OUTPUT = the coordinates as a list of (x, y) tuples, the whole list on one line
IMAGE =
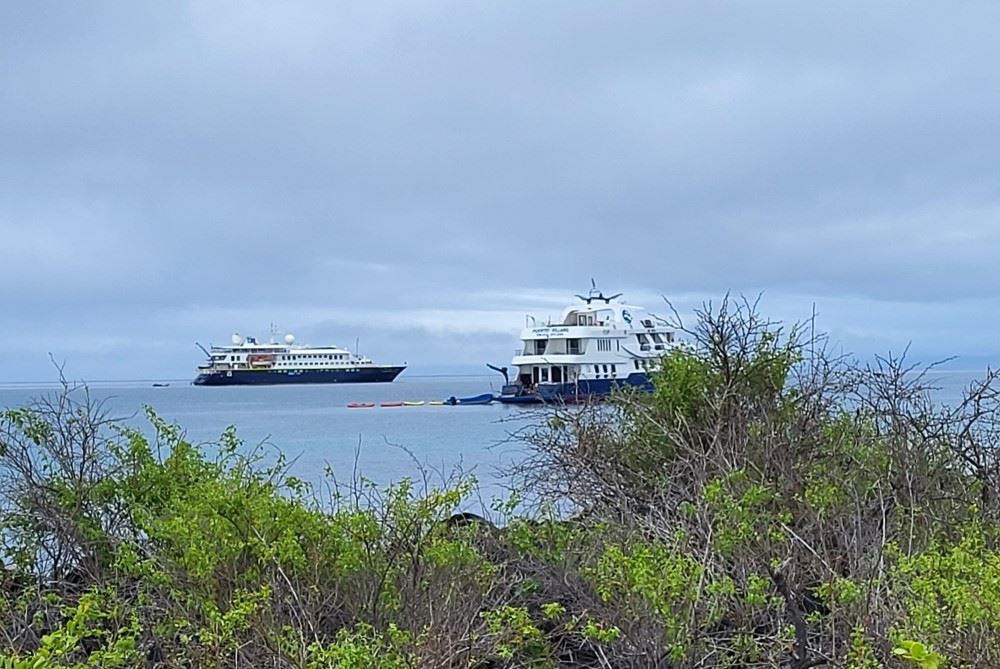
[(248, 353), (598, 344)]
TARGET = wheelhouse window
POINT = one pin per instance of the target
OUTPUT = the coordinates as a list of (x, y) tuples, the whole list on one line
[(573, 346)]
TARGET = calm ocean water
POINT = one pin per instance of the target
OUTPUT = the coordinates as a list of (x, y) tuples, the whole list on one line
[(313, 426)]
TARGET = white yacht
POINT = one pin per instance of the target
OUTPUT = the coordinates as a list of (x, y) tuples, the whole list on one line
[(599, 344)]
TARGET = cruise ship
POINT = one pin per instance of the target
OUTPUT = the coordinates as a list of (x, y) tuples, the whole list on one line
[(600, 343), (249, 362)]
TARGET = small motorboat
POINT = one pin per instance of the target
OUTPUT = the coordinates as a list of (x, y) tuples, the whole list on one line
[(391, 404), (360, 405), (413, 403), (485, 398), (161, 385)]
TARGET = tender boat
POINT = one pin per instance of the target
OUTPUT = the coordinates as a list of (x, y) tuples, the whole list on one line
[(485, 398), (599, 344), (249, 362)]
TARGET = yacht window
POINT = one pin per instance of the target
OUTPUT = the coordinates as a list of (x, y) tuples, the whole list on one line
[(573, 346), (636, 364), (557, 375), (545, 374), (642, 338), (657, 338), (605, 369), (597, 369), (540, 346), (614, 370)]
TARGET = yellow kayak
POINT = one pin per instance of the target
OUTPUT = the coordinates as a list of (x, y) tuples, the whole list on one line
[(436, 403), (418, 403)]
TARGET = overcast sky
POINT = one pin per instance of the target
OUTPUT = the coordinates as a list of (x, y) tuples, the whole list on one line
[(422, 174)]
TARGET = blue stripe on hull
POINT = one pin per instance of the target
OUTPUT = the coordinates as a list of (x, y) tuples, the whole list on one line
[(583, 389), (272, 377)]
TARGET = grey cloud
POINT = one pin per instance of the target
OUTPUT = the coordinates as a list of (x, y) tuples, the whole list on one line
[(163, 159)]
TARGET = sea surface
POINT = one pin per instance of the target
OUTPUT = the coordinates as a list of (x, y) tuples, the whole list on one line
[(314, 428)]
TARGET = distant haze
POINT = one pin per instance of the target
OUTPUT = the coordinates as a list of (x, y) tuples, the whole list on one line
[(421, 175)]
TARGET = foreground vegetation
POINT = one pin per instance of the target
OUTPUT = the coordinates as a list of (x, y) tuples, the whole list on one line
[(770, 505)]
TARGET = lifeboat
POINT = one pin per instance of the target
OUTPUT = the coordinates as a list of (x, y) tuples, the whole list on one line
[(260, 360)]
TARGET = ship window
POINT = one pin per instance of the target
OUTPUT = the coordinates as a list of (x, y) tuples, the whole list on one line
[(657, 338), (545, 374), (573, 346), (642, 338), (557, 375), (605, 369), (614, 370), (597, 369), (636, 364), (540, 346)]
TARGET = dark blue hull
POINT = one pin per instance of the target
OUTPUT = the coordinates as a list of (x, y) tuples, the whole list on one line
[(581, 391), (273, 377), (485, 398)]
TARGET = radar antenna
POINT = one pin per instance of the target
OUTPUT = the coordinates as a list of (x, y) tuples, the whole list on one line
[(594, 294)]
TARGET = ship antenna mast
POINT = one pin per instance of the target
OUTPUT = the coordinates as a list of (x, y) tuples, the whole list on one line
[(594, 294)]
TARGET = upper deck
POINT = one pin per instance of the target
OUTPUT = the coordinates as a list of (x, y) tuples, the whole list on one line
[(598, 330)]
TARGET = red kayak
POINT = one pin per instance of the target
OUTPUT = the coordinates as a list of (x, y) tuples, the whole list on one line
[(360, 405), (391, 404)]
